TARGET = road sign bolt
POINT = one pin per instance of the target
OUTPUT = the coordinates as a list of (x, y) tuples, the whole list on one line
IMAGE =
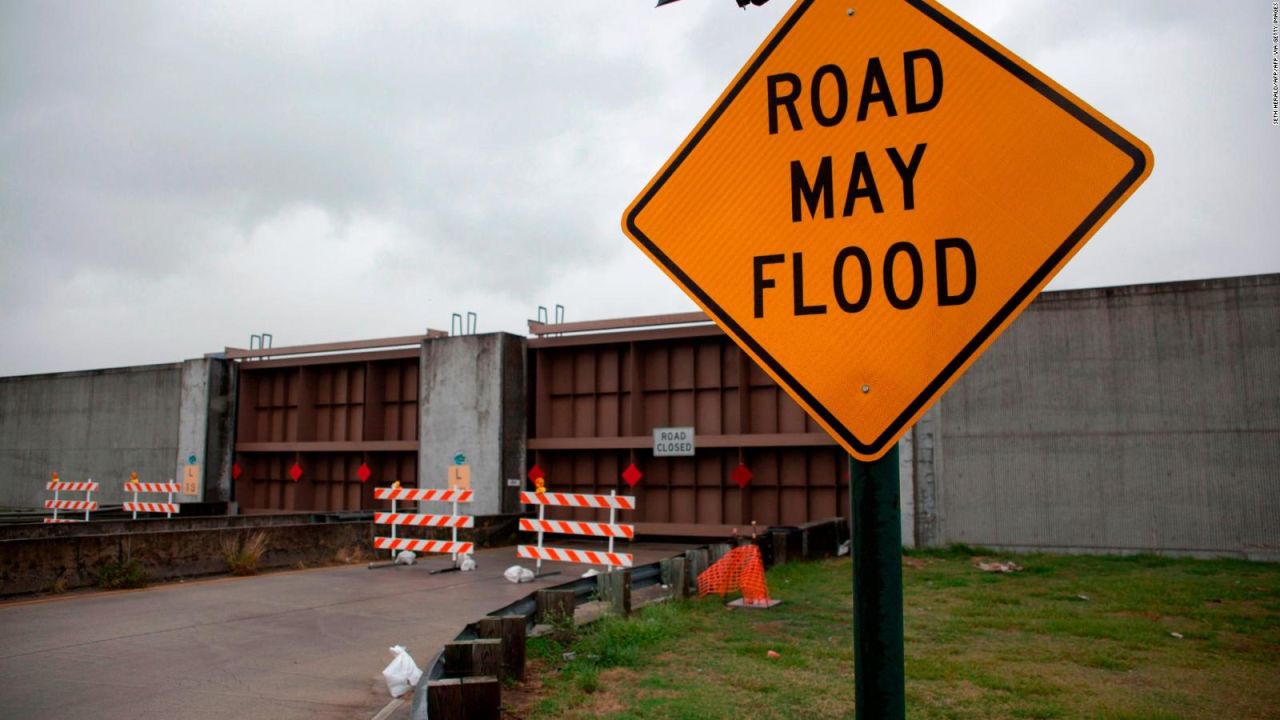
[(850, 12), (866, 388)]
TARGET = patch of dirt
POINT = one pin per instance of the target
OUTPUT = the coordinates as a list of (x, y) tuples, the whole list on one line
[(772, 627), (518, 698), (607, 700)]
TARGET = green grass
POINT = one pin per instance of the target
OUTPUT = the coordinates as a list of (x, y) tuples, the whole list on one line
[(979, 645)]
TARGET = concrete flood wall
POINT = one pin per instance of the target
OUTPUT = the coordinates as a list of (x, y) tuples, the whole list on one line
[(104, 424), (98, 424), (1132, 419)]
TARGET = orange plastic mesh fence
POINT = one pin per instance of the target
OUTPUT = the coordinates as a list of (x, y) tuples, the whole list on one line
[(742, 569)]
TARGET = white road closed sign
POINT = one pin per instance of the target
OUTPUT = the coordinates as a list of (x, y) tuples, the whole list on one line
[(673, 442)]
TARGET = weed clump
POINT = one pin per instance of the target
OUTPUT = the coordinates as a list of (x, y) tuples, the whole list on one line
[(122, 574), (243, 552), (350, 555)]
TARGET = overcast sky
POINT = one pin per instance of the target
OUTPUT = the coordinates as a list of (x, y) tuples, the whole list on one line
[(176, 176)]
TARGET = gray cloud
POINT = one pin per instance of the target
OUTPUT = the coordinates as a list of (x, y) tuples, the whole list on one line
[(175, 177)]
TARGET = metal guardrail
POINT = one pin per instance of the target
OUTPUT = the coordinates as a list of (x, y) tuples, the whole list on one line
[(642, 576)]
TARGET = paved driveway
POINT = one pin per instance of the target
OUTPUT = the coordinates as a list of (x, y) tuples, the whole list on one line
[(302, 644)]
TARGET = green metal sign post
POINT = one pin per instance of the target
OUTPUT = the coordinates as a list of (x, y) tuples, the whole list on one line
[(876, 520)]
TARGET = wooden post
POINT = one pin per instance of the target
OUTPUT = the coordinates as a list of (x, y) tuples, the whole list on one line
[(615, 589), (467, 658), (673, 576), (457, 660), (779, 538), (471, 698), (695, 564), (444, 700), (510, 631), (718, 551), (549, 604), (481, 698), (679, 582), (832, 536)]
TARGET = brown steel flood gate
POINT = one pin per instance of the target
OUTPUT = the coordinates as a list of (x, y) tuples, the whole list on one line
[(595, 399), (328, 415)]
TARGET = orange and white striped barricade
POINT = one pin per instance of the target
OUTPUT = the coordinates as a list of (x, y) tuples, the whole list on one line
[(169, 507), (611, 530), (395, 519), (88, 504)]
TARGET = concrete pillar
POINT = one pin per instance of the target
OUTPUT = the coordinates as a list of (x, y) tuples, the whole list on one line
[(206, 418), (927, 476), (473, 401), (906, 487), (193, 424), (220, 441)]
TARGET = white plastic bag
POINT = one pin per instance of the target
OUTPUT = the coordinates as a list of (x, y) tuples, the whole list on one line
[(465, 563), (517, 574), (402, 674), (406, 557)]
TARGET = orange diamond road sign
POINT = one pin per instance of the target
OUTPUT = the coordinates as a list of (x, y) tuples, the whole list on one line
[(874, 198)]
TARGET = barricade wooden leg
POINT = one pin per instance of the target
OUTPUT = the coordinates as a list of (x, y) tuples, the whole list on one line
[(549, 604)]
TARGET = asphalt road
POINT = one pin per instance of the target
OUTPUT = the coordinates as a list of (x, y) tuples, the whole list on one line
[(300, 644)]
